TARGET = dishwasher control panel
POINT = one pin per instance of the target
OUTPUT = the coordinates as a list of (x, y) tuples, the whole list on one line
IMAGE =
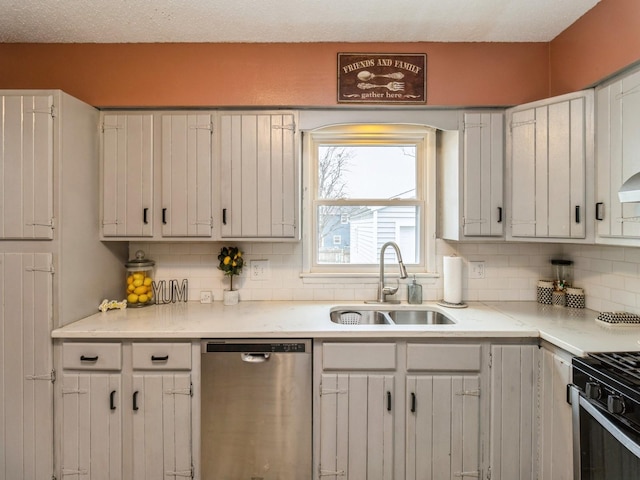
[(213, 346)]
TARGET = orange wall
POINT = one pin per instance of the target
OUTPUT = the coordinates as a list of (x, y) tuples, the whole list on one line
[(605, 40), (265, 74)]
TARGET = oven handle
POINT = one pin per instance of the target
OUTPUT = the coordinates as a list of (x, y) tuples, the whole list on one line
[(618, 434)]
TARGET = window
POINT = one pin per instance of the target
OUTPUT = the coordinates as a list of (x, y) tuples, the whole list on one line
[(369, 186)]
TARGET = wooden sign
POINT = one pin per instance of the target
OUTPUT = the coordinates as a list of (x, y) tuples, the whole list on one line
[(382, 78)]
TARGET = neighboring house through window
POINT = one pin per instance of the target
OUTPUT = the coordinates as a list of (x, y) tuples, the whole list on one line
[(369, 185)]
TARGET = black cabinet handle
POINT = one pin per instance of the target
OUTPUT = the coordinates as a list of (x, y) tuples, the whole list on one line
[(224, 216), (159, 359), (84, 358), (145, 212), (135, 400), (413, 402), (499, 214), (112, 400), (599, 211), (388, 401), (164, 216), (577, 213)]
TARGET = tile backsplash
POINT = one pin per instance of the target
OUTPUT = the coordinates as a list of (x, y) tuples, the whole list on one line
[(609, 275)]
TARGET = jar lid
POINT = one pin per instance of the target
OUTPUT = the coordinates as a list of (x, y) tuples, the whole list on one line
[(561, 262), (139, 261)]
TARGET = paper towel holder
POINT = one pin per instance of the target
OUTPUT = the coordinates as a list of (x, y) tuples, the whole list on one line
[(443, 302)]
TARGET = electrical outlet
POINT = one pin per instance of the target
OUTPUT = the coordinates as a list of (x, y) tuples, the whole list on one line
[(259, 270), (206, 296), (476, 270)]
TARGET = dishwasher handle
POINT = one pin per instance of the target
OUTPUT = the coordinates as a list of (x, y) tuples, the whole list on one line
[(255, 357)]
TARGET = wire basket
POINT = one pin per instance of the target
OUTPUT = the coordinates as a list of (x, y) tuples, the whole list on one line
[(350, 318)]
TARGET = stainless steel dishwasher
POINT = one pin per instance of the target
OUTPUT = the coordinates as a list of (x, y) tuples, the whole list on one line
[(256, 409)]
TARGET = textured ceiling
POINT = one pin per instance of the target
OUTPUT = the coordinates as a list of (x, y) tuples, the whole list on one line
[(125, 21)]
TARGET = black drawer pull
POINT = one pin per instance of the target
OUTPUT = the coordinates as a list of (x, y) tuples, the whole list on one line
[(413, 402), (145, 212), (84, 358), (599, 211), (499, 214), (164, 216), (112, 400), (577, 213), (135, 400), (224, 216), (159, 359), (388, 401)]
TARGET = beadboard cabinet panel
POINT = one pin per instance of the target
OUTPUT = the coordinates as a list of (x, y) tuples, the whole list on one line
[(259, 175), (356, 426), (26, 166), (186, 175), (127, 175), (617, 159), (550, 164), (26, 388)]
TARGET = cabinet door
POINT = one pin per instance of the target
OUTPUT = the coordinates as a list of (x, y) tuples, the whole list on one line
[(556, 421), (259, 175), (514, 393), (483, 173), (161, 406), (186, 175), (26, 389), (443, 426), (91, 427), (617, 159), (26, 167), (127, 175), (548, 169), (356, 426)]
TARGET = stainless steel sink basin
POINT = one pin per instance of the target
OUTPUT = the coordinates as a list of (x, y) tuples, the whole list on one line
[(389, 317), (419, 317), (359, 317)]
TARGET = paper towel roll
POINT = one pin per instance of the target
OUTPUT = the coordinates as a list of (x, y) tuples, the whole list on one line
[(452, 270)]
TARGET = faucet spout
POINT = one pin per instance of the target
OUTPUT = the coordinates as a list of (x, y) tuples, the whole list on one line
[(383, 291)]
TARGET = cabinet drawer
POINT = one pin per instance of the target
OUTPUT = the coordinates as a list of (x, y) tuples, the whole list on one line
[(443, 357), (359, 356), (92, 356), (161, 356)]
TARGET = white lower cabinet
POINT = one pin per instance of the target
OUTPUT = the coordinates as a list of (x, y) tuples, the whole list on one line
[(417, 416), (126, 411)]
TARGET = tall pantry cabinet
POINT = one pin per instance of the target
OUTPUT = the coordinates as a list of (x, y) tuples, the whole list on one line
[(53, 268)]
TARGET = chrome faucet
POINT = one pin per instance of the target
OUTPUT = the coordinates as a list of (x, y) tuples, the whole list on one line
[(382, 290)]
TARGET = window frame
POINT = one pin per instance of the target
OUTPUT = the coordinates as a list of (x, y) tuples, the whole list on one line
[(424, 139)]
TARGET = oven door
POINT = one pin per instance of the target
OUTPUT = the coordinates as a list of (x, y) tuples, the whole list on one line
[(603, 447)]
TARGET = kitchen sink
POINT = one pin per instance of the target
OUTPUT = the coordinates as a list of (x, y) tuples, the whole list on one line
[(419, 317), (389, 317)]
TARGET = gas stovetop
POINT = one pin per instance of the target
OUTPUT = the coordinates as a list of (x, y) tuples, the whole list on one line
[(611, 380)]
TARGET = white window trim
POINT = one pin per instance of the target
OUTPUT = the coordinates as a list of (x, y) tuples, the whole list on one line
[(410, 133)]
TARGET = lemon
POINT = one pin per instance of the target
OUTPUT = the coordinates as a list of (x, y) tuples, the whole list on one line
[(131, 288), (137, 282), (143, 298), (130, 279), (140, 290), (132, 298), (147, 281)]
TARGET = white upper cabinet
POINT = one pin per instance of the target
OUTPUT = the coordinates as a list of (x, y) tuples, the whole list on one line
[(617, 158), (258, 159), (127, 175), (157, 175), (26, 166), (472, 173), (186, 175), (550, 168)]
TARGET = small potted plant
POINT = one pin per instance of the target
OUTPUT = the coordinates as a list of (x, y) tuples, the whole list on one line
[(231, 263)]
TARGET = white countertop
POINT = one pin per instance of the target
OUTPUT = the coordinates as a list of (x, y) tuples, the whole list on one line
[(573, 330)]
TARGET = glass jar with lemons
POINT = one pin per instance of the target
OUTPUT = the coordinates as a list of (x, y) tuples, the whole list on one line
[(139, 281)]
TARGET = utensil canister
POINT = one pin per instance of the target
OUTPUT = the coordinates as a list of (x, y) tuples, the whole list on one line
[(139, 281)]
